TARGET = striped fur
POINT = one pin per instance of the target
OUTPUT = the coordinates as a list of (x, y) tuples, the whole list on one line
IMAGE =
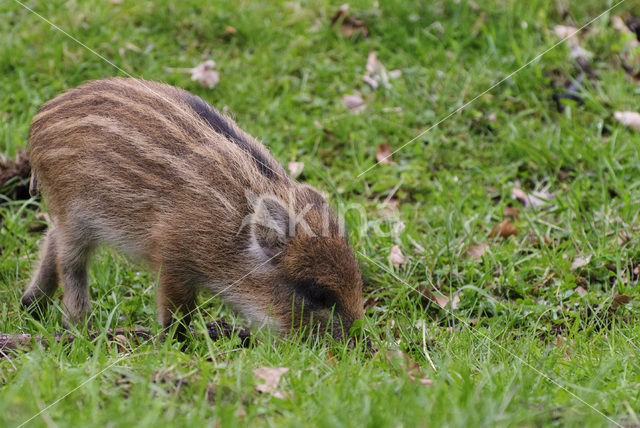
[(159, 174)]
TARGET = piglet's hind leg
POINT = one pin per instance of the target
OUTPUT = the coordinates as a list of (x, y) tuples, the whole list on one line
[(44, 282)]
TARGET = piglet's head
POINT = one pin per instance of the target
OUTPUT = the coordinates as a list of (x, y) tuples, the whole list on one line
[(314, 281)]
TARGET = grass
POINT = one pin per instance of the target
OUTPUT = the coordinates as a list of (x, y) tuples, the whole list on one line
[(523, 347)]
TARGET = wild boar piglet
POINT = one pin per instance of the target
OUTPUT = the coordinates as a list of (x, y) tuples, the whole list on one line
[(157, 173)]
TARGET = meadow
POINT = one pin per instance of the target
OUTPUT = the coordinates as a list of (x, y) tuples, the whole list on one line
[(495, 176)]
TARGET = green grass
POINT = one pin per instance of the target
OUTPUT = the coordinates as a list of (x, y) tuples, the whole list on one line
[(523, 348)]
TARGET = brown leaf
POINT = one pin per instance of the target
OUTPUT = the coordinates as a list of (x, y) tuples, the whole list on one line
[(512, 212), (376, 74), (205, 74), (121, 342), (355, 103), (563, 31), (295, 168), (383, 154), (455, 301), (618, 24), (271, 377), (504, 230), (622, 299), (623, 238), (442, 301), (477, 250), (579, 262), (240, 412), (425, 381), (630, 119), (396, 257), (130, 46), (535, 199), (349, 25)]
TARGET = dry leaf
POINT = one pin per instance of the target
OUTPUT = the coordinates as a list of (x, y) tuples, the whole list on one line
[(535, 199), (396, 257), (563, 31), (395, 74), (240, 412), (130, 46), (579, 262), (383, 154), (504, 230), (295, 168), (229, 30), (580, 290), (121, 342), (623, 238), (512, 212), (349, 25), (392, 109), (355, 103), (271, 377), (622, 299), (442, 301), (206, 74), (618, 24), (628, 118), (375, 74), (455, 301), (477, 250), (579, 52)]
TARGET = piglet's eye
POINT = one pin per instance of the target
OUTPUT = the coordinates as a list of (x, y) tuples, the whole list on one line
[(316, 294)]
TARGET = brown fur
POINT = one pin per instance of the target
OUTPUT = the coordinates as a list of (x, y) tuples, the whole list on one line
[(158, 174)]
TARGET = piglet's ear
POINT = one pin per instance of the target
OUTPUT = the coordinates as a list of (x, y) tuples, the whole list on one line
[(270, 227)]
